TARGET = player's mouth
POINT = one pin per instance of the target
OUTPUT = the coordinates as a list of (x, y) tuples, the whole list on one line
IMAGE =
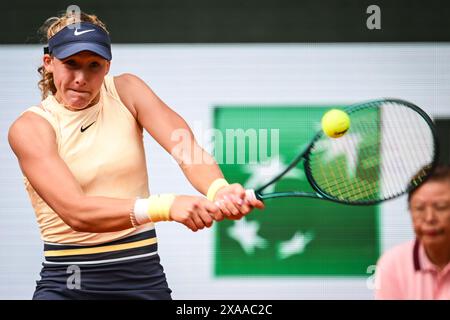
[(433, 232), (79, 91)]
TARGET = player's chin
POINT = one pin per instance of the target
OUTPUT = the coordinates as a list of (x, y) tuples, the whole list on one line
[(78, 100), (78, 104), (433, 238)]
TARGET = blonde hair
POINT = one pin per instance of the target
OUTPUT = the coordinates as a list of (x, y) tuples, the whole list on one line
[(50, 27)]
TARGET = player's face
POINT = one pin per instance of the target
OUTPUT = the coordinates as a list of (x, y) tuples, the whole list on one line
[(430, 211), (78, 78)]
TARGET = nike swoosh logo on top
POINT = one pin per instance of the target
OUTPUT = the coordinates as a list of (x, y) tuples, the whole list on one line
[(77, 33), (84, 129)]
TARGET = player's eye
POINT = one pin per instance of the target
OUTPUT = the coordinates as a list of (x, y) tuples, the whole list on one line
[(418, 209), (70, 63), (442, 206)]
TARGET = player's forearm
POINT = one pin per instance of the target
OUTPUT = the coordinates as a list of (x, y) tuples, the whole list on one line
[(99, 214), (202, 173)]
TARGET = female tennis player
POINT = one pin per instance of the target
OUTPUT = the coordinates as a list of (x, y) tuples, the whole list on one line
[(81, 152)]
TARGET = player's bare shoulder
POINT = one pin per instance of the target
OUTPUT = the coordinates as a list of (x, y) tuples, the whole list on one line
[(126, 85), (30, 133)]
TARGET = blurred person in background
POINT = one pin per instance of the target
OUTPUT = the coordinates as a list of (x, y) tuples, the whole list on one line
[(420, 268)]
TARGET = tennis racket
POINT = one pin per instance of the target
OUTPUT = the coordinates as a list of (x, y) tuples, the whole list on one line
[(390, 147)]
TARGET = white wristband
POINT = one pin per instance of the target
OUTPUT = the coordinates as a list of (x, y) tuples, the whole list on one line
[(140, 211)]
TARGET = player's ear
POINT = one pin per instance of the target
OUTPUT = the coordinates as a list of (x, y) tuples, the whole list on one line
[(108, 65), (47, 61)]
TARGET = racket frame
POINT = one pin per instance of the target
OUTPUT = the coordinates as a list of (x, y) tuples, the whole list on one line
[(319, 193)]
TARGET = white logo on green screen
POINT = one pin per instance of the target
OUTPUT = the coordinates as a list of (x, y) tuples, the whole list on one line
[(292, 236)]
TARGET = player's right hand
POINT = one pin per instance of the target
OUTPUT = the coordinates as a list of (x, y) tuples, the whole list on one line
[(194, 212), (234, 202)]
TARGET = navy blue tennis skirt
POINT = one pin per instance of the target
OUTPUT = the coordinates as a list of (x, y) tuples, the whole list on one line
[(125, 269)]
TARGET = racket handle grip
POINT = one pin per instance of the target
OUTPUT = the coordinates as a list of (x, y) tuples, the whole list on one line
[(250, 194)]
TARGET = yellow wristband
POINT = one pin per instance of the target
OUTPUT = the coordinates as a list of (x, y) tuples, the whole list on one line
[(159, 207), (214, 187)]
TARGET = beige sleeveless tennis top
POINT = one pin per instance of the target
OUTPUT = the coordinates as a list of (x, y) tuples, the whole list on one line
[(103, 147)]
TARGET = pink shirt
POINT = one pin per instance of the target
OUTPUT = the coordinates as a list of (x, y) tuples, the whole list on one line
[(405, 272)]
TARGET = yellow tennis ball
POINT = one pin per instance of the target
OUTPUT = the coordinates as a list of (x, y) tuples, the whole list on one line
[(335, 123)]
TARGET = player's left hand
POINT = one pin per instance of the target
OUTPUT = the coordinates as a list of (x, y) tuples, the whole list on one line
[(233, 202)]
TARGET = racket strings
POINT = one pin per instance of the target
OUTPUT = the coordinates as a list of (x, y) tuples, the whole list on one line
[(387, 145), (368, 189), (399, 149), (416, 145), (403, 147), (350, 190)]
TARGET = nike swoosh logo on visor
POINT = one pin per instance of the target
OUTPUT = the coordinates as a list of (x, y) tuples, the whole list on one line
[(77, 33)]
